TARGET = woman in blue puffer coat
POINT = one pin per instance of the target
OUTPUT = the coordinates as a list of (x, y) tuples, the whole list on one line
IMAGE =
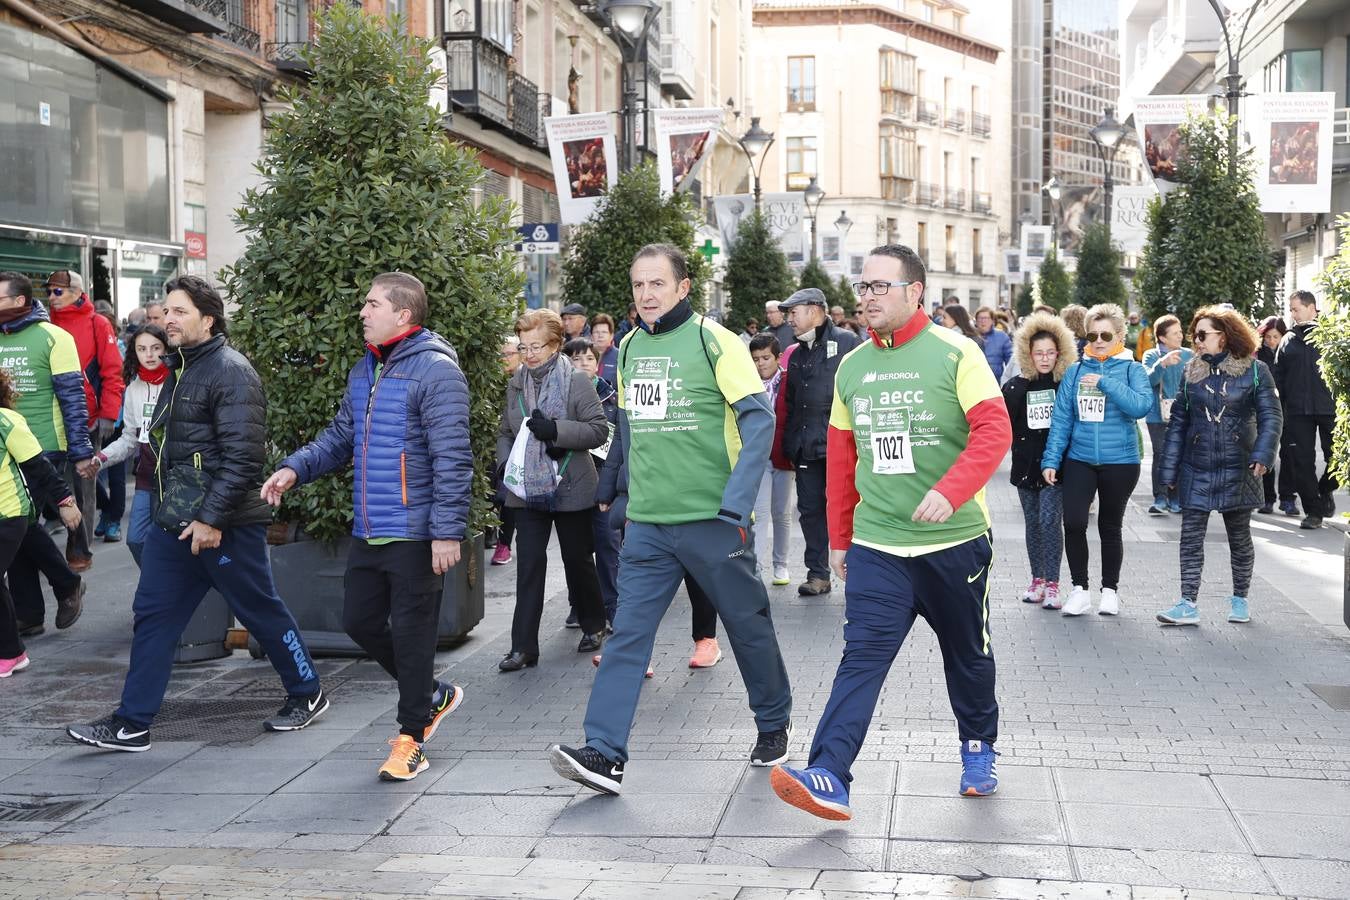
[(1093, 451), (1222, 438)]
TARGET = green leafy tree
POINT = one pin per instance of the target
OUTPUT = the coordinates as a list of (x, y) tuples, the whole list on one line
[(358, 179), (757, 272), (1151, 275), (1332, 337), (1026, 300), (814, 275), (1053, 286), (631, 215), (844, 295), (1212, 245), (1098, 277)]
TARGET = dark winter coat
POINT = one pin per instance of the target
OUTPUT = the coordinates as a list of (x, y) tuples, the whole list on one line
[(405, 426), (1226, 418), (1028, 443), (1302, 389), (808, 391), (213, 405)]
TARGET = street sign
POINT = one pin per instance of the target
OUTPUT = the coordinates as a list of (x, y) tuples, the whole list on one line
[(538, 237)]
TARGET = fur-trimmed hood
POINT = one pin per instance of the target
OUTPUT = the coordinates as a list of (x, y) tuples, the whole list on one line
[(1034, 324), (1197, 370)]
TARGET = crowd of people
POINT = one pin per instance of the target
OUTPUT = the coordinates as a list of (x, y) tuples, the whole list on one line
[(662, 450)]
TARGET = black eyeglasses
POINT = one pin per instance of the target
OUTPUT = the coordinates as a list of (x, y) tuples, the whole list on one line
[(1202, 335), (878, 288), (1102, 336)]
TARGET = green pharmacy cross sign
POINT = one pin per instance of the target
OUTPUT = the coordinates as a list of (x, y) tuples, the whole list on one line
[(708, 250)]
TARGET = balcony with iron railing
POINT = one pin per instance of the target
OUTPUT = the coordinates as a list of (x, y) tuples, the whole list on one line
[(477, 78), (801, 98), (526, 120), (928, 112), (297, 27), (192, 16), (927, 194), (678, 69), (980, 124), (954, 198), (955, 119), (981, 202), (241, 25)]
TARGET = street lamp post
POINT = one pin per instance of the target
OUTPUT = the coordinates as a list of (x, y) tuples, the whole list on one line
[(754, 142), (842, 225), (1055, 190), (1107, 135), (812, 197), (1233, 79), (632, 18)]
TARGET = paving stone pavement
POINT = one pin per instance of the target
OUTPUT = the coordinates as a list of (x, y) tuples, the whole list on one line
[(1137, 761)]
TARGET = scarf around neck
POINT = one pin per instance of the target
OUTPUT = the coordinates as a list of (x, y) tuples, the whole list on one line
[(547, 389), (152, 376), (1119, 346)]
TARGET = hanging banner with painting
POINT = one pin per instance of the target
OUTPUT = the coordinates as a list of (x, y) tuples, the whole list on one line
[(585, 164), (784, 214), (1129, 216), (1292, 138), (684, 138), (1158, 120), (1035, 246)]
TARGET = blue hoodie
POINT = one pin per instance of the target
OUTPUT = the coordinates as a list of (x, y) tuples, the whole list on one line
[(1115, 439)]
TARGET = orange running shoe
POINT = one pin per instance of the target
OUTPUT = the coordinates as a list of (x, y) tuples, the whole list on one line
[(406, 761), (706, 654)]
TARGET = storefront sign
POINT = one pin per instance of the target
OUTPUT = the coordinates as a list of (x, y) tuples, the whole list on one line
[(195, 241)]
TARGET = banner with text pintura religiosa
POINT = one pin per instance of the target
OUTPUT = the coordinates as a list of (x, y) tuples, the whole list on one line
[(684, 138), (585, 162), (1291, 137)]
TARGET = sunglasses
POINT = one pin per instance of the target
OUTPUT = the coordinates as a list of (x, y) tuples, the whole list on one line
[(1202, 335), (1102, 336), (56, 291)]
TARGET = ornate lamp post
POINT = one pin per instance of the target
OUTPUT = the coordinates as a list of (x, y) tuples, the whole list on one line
[(813, 196), (1107, 135), (753, 143), (632, 18), (1055, 190)]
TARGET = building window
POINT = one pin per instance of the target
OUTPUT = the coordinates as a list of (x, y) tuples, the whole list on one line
[(801, 162), (1294, 71), (898, 71), (950, 240), (899, 154), (923, 242), (977, 254), (801, 83)]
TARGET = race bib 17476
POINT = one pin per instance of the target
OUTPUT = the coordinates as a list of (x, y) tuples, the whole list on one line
[(1091, 404), (1040, 407)]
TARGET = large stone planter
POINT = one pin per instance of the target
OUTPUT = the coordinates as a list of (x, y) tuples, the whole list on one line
[(204, 636), (309, 577)]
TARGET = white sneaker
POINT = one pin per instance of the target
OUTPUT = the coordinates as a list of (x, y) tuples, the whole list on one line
[(780, 575), (1079, 602), (1110, 605)]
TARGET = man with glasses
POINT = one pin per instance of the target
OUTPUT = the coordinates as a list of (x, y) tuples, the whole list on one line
[(1309, 411), (917, 429), (96, 344), (45, 366), (804, 409)]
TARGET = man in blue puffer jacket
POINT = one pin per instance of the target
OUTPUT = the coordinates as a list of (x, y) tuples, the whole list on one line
[(404, 422), (1093, 450)]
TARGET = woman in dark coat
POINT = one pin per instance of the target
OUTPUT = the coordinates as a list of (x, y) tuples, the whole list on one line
[(1222, 438)]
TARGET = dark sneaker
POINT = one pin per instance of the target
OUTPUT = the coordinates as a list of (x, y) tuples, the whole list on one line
[(979, 773), (1267, 510), (31, 629), (298, 712), (1311, 522), (771, 748), (587, 766), (445, 701), (571, 620), (591, 642), (1328, 504), (814, 587), (112, 733), (68, 608), (113, 534), (1289, 507)]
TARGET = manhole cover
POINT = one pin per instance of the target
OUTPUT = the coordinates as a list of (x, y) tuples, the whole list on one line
[(38, 810), (1337, 696), (224, 721)]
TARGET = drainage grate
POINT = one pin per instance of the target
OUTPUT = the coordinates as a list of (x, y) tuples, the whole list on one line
[(38, 811), (1337, 696), (222, 721)]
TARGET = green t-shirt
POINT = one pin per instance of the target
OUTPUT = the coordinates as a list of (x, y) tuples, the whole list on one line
[(906, 409), (17, 445), (676, 390), (33, 355)]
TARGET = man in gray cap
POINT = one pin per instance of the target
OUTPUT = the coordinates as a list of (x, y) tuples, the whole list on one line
[(574, 322), (804, 411)]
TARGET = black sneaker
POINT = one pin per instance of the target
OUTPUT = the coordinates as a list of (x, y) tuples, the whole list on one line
[(112, 733), (591, 642), (1310, 522), (31, 629), (298, 712), (571, 620), (771, 748), (587, 766), (1328, 504), (444, 701), (68, 608)]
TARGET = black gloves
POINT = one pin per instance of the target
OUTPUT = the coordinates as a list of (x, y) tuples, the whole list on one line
[(555, 453), (542, 427)]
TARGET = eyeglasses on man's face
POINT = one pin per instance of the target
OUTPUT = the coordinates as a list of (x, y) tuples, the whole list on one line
[(878, 288)]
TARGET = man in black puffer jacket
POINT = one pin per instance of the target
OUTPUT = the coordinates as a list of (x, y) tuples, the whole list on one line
[(209, 436), (1309, 411)]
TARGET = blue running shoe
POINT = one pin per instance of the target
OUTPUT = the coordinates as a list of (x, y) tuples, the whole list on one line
[(979, 778), (1174, 507), (1237, 610), (1184, 613), (815, 790)]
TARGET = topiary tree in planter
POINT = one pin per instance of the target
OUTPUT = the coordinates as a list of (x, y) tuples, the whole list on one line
[(358, 178), (1053, 287), (814, 275), (757, 272), (632, 214), (1332, 337), (1026, 300), (1098, 277)]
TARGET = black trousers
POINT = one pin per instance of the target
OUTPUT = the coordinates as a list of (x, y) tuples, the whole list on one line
[(1285, 476), (38, 553), (1301, 436), (1111, 485), (578, 553), (392, 609), (11, 537), (811, 507)]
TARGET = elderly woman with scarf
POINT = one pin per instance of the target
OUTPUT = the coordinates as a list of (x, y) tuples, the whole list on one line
[(553, 408), (1221, 439)]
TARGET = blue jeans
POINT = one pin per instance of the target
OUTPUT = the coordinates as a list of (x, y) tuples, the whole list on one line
[(655, 559), (1044, 514), (141, 504), (173, 583)]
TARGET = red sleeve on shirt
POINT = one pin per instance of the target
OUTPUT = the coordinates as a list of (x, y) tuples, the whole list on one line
[(779, 460), (841, 494), (109, 370), (990, 438)]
